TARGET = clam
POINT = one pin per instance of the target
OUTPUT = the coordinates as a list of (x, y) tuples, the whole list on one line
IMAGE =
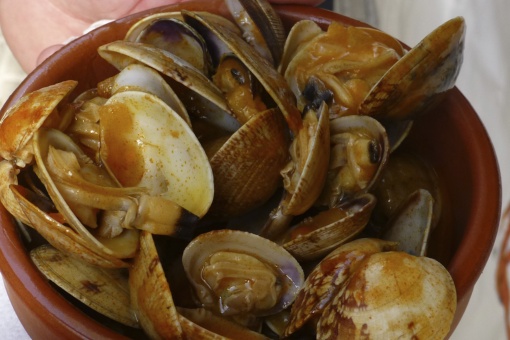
[(104, 290), (359, 152), (137, 77), (190, 84), (411, 225), (261, 26), (247, 166), (48, 223), (419, 79), (271, 80), (150, 293), (318, 235), (347, 60), (299, 35), (154, 148), (170, 33), (373, 75), (305, 174), (20, 122), (392, 295), (239, 273), (364, 288), (79, 188), (326, 279)]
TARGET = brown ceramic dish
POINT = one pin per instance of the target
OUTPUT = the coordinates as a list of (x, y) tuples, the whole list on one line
[(451, 137)]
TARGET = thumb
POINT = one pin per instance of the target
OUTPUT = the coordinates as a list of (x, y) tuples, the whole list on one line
[(47, 52)]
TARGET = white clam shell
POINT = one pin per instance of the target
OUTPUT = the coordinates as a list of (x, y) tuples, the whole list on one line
[(144, 143)]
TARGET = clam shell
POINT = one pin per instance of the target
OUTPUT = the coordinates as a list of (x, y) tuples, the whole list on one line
[(116, 198), (104, 290), (8, 177), (348, 60), (261, 25), (138, 77), (274, 84), (313, 163), (392, 295), (413, 83), (151, 297), (299, 35), (355, 216), (360, 164), (411, 225), (205, 98), (62, 237), (305, 174), (20, 122), (138, 27), (172, 34), (146, 144), (327, 278), (199, 251), (247, 167)]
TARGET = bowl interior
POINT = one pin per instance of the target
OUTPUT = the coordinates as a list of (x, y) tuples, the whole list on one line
[(450, 137)]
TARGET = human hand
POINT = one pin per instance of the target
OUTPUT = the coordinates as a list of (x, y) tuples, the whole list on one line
[(34, 29)]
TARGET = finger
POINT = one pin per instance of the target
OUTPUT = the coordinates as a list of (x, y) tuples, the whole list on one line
[(47, 52)]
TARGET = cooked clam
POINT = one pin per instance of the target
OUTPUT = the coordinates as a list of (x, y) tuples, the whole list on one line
[(316, 236), (359, 152), (354, 60), (393, 295), (305, 174), (239, 273)]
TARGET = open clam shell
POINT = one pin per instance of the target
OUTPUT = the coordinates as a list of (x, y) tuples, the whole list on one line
[(299, 35), (137, 77), (311, 153), (305, 174), (48, 142), (271, 80), (318, 235), (60, 236), (261, 25), (190, 83), (172, 34), (239, 273), (359, 152), (347, 60), (20, 122), (411, 225), (162, 151), (413, 83)]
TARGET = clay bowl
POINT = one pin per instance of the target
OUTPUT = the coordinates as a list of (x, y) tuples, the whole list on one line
[(451, 138)]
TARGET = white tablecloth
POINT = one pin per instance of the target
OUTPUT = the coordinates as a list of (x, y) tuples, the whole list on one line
[(484, 79)]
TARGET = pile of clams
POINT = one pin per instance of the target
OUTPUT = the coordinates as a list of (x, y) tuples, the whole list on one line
[(237, 180)]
